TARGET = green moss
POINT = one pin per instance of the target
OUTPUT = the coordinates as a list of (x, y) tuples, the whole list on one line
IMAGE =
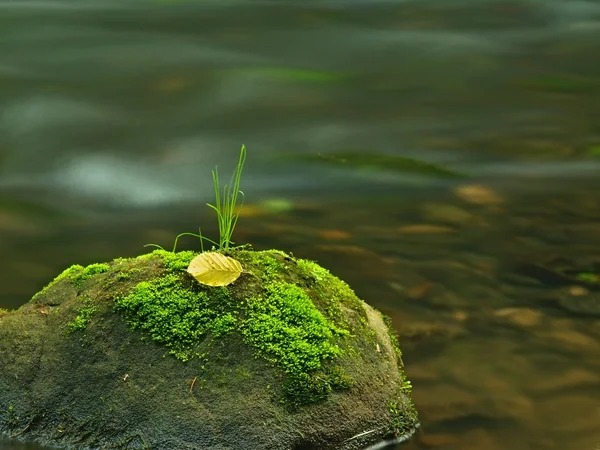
[(88, 272), (288, 310), (267, 265), (311, 269), (177, 315), (402, 418), (83, 318), (338, 379), (332, 291), (124, 275), (68, 273), (302, 389), (175, 261), (76, 274), (121, 260), (275, 317), (286, 328), (291, 312), (394, 340)]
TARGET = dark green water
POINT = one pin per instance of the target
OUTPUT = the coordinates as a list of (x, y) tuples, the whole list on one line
[(112, 115), (12, 445)]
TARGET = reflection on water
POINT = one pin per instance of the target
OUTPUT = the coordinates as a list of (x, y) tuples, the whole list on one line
[(113, 114), (160, 90)]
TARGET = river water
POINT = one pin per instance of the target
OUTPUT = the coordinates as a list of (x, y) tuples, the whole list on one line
[(486, 254)]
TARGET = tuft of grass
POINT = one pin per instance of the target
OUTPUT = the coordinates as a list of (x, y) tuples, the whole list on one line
[(225, 207)]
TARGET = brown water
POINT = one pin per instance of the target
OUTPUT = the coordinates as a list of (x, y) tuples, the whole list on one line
[(113, 114)]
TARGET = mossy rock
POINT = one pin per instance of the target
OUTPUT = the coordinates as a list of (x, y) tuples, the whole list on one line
[(137, 354)]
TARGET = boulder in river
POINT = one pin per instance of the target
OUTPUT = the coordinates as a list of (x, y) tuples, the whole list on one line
[(137, 354)]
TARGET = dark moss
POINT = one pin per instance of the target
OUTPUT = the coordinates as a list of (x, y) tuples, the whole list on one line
[(403, 415), (394, 339), (402, 418), (83, 318), (338, 378), (302, 389)]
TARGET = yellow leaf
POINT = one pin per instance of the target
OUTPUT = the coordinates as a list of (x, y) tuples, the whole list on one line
[(215, 269)]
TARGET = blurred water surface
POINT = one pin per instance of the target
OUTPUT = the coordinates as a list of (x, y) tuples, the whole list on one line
[(112, 115)]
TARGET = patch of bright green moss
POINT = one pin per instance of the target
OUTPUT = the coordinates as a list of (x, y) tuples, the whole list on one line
[(270, 268), (176, 315), (83, 319), (67, 273), (175, 261), (331, 289), (286, 328), (88, 272), (289, 331)]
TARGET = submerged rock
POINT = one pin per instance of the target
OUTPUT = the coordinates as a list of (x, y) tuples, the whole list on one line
[(137, 354)]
